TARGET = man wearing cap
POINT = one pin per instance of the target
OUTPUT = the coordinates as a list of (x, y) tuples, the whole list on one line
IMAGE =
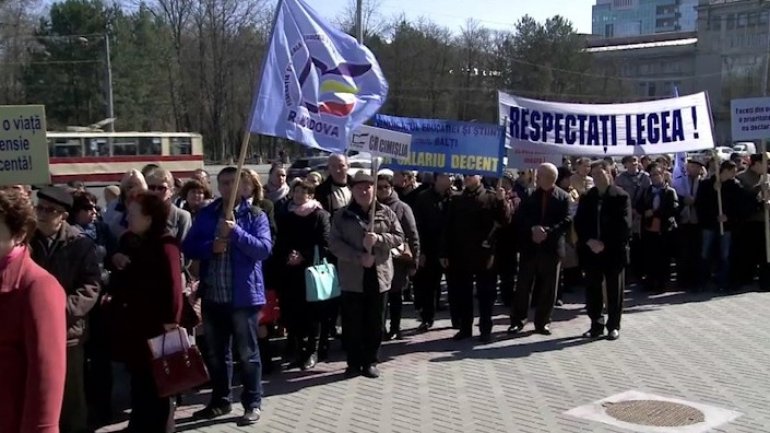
[(750, 239), (634, 181), (365, 268), (70, 256), (689, 234)]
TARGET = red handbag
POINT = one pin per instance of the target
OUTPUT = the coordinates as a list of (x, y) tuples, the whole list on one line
[(270, 312), (178, 372)]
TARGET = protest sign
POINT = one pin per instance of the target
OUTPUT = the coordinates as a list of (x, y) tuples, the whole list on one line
[(750, 118), (381, 142), (23, 145), (524, 159), (664, 126), (448, 146)]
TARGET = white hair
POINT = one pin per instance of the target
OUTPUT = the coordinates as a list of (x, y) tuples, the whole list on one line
[(550, 168)]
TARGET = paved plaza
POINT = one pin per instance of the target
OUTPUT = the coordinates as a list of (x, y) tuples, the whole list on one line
[(703, 348)]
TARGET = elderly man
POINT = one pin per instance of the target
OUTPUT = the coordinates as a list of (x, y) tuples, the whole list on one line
[(161, 183), (543, 220), (70, 256), (365, 267), (334, 193)]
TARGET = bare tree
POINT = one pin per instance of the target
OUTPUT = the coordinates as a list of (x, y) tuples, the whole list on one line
[(17, 19), (374, 23)]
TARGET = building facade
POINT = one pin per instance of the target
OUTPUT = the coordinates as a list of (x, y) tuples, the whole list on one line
[(623, 18)]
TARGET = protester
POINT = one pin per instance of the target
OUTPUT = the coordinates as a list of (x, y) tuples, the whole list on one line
[(506, 245), (571, 274), (430, 212), (362, 246), (467, 253), (231, 252), (603, 226), (146, 301), (111, 193), (196, 196), (581, 181), (658, 207), (688, 236), (277, 190), (161, 183), (634, 182), (132, 183), (304, 236), (750, 257), (33, 327), (404, 257), (314, 178), (70, 256), (734, 210), (544, 221)]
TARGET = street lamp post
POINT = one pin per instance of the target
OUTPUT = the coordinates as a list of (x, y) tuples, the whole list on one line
[(110, 99)]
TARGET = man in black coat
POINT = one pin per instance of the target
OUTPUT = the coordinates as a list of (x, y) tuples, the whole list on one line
[(544, 220), (603, 225), (468, 255)]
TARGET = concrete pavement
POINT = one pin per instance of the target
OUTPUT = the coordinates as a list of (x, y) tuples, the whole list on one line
[(700, 348)]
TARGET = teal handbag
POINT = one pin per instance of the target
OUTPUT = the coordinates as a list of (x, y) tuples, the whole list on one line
[(321, 283)]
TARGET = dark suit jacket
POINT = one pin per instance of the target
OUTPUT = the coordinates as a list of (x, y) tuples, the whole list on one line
[(611, 225), (667, 211), (556, 221)]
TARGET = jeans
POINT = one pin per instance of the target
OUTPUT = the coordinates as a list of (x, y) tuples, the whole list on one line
[(222, 324), (710, 239)]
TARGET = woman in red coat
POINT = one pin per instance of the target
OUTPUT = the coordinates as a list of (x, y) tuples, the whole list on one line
[(146, 300), (33, 327)]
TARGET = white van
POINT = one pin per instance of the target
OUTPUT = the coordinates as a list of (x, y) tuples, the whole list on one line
[(744, 148)]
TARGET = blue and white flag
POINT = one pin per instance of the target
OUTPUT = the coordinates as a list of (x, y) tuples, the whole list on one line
[(318, 84)]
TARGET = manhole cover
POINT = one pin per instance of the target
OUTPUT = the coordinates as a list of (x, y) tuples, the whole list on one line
[(654, 413)]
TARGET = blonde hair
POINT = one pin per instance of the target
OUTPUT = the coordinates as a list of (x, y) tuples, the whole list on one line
[(252, 176), (162, 174), (316, 175), (131, 175)]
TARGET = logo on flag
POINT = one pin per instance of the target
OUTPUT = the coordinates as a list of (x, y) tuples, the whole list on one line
[(318, 83)]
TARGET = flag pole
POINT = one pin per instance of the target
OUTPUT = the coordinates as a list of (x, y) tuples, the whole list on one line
[(229, 210), (375, 160)]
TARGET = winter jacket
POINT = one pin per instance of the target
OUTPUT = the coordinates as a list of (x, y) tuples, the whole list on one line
[(736, 204), (324, 193), (556, 220), (33, 335), (406, 218), (349, 226), (606, 218), (666, 212), (72, 259), (430, 212), (250, 244)]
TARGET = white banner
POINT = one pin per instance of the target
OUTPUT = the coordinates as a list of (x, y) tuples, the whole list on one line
[(643, 128), (381, 142), (750, 118)]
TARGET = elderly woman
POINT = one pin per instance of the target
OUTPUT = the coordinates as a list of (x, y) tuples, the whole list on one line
[(115, 216), (33, 327), (146, 301)]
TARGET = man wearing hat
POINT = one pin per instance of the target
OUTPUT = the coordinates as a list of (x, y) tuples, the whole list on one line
[(365, 268), (68, 255), (690, 238)]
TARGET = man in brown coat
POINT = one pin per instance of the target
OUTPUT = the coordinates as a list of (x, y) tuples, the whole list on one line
[(365, 270)]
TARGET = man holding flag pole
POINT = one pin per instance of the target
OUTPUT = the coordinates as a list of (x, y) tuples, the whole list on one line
[(316, 87)]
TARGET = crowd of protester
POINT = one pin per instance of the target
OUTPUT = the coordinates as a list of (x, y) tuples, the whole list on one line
[(83, 288)]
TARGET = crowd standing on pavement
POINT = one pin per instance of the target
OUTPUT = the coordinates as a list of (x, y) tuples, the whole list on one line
[(82, 288)]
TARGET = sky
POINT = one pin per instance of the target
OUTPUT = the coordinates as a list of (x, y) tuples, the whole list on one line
[(495, 14)]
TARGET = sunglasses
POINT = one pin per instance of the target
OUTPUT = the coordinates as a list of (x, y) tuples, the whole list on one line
[(158, 188), (47, 210)]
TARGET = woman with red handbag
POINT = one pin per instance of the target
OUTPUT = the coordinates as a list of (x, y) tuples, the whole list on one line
[(146, 301)]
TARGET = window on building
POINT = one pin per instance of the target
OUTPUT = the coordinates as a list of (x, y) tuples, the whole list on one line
[(742, 21), (622, 4), (609, 30), (181, 146), (714, 23), (730, 21), (651, 89)]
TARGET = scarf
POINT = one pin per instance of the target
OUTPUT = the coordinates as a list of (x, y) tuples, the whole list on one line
[(305, 209), (15, 252), (656, 192), (276, 193)]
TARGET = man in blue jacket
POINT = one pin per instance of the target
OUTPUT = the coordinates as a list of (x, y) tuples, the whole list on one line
[(232, 292)]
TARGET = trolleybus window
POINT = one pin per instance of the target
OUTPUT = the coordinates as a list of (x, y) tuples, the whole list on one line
[(97, 147), (150, 146), (124, 146), (181, 146), (65, 147)]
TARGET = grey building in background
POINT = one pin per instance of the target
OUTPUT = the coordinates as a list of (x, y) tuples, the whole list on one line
[(622, 18)]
